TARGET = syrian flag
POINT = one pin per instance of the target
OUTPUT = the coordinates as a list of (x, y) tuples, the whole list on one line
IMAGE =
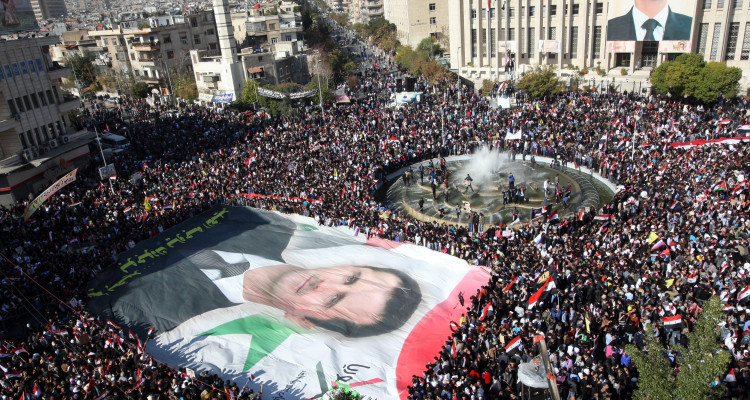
[(101, 396), (744, 295), (671, 243), (514, 346), (665, 253), (724, 266), (356, 231), (617, 124), (453, 349), (132, 335), (37, 392), (603, 217), (553, 218), (661, 170), (657, 245), (580, 215), (128, 209), (486, 311), (114, 325), (745, 127), (12, 375), (510, 285), (672, 322), (726, 121), (250, 160), (542, 293), (536, 213), (19, 351), (730, 376)]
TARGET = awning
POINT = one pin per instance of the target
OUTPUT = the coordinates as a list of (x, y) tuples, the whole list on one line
[(255, 70)]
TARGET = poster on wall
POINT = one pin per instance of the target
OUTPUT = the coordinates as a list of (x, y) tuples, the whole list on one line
[(277, 301), (653, 20), (674, 46), (621, 46), (17, 15)]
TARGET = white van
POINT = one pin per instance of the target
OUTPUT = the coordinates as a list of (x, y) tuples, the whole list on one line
[(112, 141)]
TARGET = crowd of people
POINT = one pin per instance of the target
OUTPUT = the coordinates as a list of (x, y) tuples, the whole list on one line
[(611, 279)]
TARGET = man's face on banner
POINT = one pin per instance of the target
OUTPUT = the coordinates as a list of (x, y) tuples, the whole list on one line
[(352, 293)]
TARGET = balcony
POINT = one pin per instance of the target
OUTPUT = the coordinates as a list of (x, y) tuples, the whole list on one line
[(145, 47), (147, 61), (290, 28), (68, 103), (58, 71), (148, 79)]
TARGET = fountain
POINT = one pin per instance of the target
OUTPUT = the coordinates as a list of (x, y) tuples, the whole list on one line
[(490, 170)]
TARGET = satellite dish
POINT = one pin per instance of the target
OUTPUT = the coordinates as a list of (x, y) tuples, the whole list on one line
[(533, 374)]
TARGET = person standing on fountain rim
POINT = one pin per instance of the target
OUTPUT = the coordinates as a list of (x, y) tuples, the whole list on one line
[(511, 181), (467, 182)]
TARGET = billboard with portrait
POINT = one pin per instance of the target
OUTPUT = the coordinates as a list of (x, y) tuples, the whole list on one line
[(17, 15), (650, 20), (263, 298)]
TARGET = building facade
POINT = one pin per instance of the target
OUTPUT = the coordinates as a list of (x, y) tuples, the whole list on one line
[(37, 142), (48, 9), (369, 10), (418, 19), (593, 34)]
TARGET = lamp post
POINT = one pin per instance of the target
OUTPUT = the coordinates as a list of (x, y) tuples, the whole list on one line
[(320, 92)]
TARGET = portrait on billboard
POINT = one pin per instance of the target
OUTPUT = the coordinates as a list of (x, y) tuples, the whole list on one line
[(247, 293), (650, 20)]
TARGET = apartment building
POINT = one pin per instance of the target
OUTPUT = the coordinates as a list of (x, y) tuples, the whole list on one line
[(264, 26), (37, 144), (369, 10), (418, 19)]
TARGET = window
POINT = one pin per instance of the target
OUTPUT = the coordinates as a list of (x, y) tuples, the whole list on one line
[(34, 100), (194, 22), (574, 9), (648, 54), (597, 49), (12, 106), (44, 132), (473, 13), (197, 39), (260, 58), (170, 55), (23, 140), (23, 67), (212, 46), (288, 38), (42, 98), (7, 71), (512, 34), (544, 11), (599, 8), (273, 40), (19, 104), (50, 99), (702, 38), (573, 49), (734, 31), (715, 41), (432, 7), (511, 12), (39, 65), (183, 39), (32, 67), (271, 27), (552, 10), (16, 71), (720, 4), (532, 11), (746, 44), (473, 43), (27, 102), (706, 4), (521, 38), (167, 39), (552, 33), (737, 3), (51, 129), (132, 56), (531, 41), (433, 20), (492, 13), (493, 43)]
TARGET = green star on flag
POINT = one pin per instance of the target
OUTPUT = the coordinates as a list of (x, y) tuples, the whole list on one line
[(267, 335)]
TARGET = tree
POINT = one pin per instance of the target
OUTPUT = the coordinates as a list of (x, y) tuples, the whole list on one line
[(82, 66), (184, 85), (699, 364), (247, 97), (487, 86), (429, 47), (139, 90), (341, 64), (716, 79), (689, 75), (542, 82)]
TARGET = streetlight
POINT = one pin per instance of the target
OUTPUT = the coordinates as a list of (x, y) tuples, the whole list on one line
[(320, 92)]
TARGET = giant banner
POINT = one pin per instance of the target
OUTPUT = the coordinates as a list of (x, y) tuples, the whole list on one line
[(650, 20), (39, 200), (277, 301)]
